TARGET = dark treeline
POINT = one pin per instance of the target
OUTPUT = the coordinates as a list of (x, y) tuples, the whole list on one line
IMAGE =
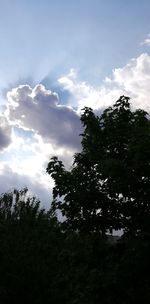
[(78, 261)]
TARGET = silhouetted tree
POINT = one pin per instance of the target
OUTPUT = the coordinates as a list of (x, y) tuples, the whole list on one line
[(29, 242), (108, 186)]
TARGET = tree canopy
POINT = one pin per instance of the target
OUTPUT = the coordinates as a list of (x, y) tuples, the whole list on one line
[(108, 185)]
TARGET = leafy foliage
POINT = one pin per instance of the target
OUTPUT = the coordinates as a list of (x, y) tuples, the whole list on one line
[(42, 264), (108, 186)]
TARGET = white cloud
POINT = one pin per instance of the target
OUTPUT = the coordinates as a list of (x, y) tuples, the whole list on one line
[(132, 80), (85, 94), (146, 40)]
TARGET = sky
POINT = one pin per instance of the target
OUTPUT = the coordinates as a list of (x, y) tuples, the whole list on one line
[(57, 56)]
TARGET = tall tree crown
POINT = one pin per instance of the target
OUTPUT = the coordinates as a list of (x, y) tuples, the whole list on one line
[(108, 186)]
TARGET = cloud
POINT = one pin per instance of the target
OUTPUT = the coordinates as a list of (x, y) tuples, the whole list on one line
[(39, 110), (85, 95), (146, 40), (132, 80), (5, 133), (24, 164)]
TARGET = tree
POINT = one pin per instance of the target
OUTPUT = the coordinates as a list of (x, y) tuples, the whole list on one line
[(108, 186), (19, 206), (29, 238)]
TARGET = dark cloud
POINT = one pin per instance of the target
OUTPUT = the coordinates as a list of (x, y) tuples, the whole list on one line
[(39, 110), (5, 133)]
